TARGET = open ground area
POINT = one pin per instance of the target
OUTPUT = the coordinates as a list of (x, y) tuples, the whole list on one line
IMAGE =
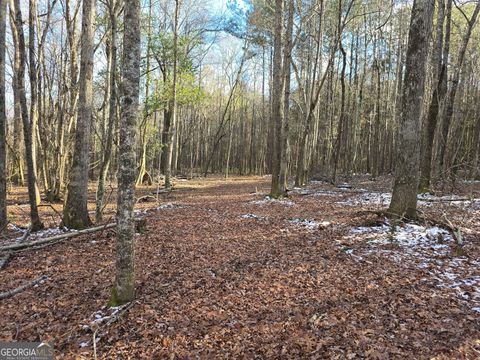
[(222, 271)]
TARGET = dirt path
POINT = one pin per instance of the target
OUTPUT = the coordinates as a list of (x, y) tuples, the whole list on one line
[(224, 273)]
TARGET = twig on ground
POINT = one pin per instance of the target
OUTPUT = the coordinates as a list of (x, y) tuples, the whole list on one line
[(25, 234), (145, 198), (13, 292), (112, 319)]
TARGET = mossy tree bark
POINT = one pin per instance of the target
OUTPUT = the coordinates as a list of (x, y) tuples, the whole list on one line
[(124, 286), (75, 212), (404, 197)]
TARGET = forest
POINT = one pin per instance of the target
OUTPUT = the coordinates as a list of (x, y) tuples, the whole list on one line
[(240, 179)]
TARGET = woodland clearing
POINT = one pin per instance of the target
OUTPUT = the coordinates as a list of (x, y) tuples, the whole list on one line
[(224, 272)]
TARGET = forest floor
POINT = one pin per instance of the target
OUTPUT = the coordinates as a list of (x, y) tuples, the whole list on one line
[(222, 271)]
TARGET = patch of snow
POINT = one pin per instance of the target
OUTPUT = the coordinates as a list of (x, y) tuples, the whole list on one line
[(471, 181), (313, 192), (48, 233), (169, 206), (252, 216), (428, 200), (426, 248), (269, 200), (309, 224), (368, 198)]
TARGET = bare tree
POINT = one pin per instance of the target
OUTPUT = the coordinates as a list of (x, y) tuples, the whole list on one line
[(404, 197), (124, 287), (107, 143), (173, 119), (19, 69), (3, 118), (277, 92), (75, 212)]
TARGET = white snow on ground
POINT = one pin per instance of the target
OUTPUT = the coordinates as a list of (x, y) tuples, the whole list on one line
[(268, 200), (428, 248), (383, 199), (252, 216), (318, 192), (169, 206), (368, 198), (48, 233), (161, 207), (309, 224)]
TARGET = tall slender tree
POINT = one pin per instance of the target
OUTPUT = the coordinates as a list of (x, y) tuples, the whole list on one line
[(124, 286), (32, 75), (3, 118), (438, 79), (75, 213), (173, 119), (28, 130), (112, 109), (277, 95), (404, 197)]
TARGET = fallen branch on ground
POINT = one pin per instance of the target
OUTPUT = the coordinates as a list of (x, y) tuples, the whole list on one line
[(112, 319), (58, 238), (146, 198), (4, 260), (13, 292), (55, 238), (25, 235), (444, 200)]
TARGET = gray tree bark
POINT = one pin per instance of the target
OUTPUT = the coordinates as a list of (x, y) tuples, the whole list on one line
[(3, 118), (32, 74), (404, 197), (124, 286), (112, 113), (172, 129), (284, 138), (75, 212), (277, 92), (448, 106), (20, 63), (439, 75)]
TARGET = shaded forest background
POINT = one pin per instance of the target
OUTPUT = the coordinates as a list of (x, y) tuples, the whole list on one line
[(347, 62)]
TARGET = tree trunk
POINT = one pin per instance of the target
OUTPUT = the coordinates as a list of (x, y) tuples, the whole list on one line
[(124, 286), (447, 109), (75, 213), (3, 118), (20, 63), (142, 173), (107, 142), (173, 120), (284, 138), (277, 92), (32, 72), (438, 78), (404, 197)]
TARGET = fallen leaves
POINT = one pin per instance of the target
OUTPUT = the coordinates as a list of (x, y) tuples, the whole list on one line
[(222, 273)]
